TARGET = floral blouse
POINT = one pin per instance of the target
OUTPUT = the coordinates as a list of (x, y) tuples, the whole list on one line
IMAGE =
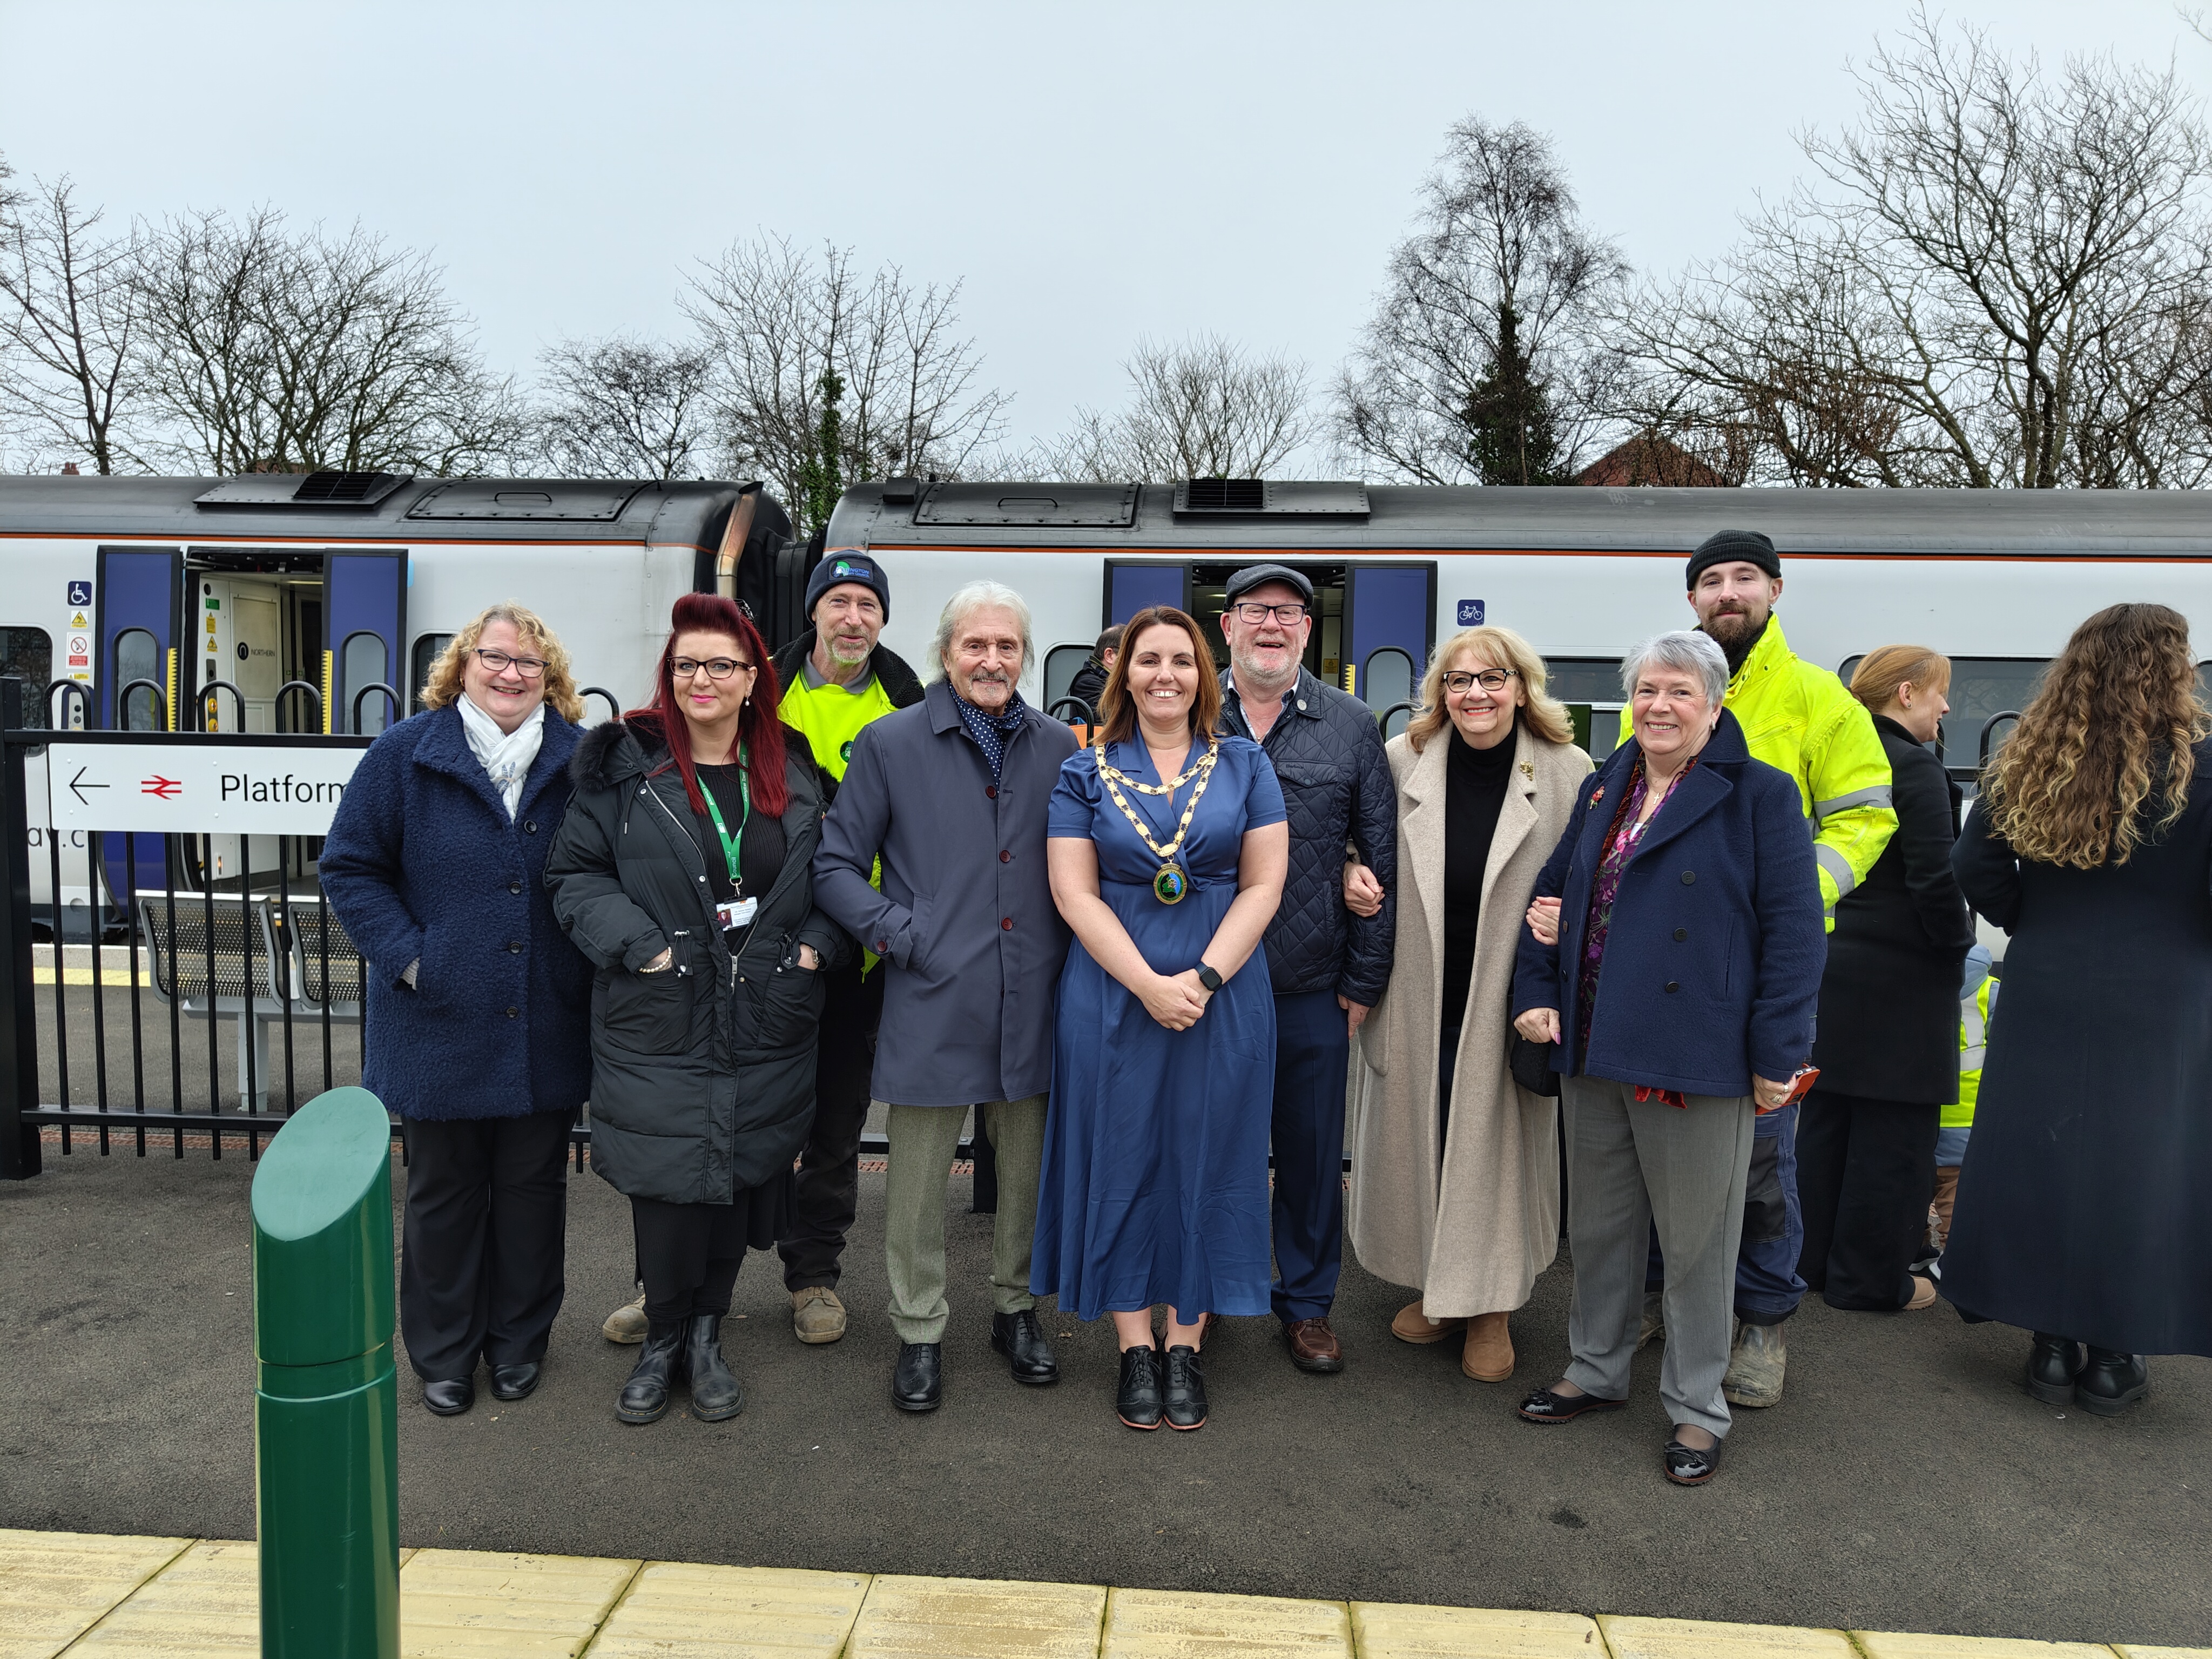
[(1620, 846)]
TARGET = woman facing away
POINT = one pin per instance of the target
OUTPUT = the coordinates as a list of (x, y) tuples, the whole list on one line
[(1456, 1167), (2080, 1212), (1168, 846)]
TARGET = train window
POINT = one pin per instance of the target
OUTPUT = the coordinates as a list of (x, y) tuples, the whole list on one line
[(1062, 665), (1390, 678), (28, 654), (361, 665), (1592, 684), (138, 657), (428, 649), (1981, 688)]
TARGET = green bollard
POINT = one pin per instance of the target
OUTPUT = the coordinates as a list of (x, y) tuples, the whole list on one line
[(326, 1413)]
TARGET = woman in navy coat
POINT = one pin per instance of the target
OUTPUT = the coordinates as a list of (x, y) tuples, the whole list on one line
[(478, 1031), (1674, 958)]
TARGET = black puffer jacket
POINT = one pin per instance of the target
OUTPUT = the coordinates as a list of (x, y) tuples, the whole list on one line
[(1328, 754), (702, 1075)]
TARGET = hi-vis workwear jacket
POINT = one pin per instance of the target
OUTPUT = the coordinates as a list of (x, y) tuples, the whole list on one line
[(1799, 718)]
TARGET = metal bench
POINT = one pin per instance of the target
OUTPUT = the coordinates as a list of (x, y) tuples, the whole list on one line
[(323, 966)]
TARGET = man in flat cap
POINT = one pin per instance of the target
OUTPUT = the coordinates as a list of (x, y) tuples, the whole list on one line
[(1328, 965)]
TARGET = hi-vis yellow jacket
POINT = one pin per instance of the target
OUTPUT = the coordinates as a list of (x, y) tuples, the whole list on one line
[(1799, 717)]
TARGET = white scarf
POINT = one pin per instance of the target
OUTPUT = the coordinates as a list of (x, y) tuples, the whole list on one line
[(507, 755)]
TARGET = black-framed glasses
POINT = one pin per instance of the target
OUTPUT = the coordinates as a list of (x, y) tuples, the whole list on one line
[(499, 662), (1489, 679), (1253, 613), (717, 668)]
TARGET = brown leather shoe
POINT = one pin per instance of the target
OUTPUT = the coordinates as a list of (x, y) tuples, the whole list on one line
[(1412, 1325), (1314, 1346), (1488, 1355)]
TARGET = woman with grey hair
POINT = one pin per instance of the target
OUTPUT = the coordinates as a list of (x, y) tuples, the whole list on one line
[(1673, 960)]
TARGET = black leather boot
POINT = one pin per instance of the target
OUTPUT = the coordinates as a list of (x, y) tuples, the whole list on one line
[(644, 1397), (2052, 1366), (918, 1382), (715, 1394), (1183, 1394), (1137, 1401), (1021, 1340), (2110, 1383)]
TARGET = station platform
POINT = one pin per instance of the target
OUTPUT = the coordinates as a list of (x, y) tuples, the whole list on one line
[(95, 1595)]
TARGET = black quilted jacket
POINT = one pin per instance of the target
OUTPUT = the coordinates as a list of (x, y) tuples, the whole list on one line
[(1328, 753)]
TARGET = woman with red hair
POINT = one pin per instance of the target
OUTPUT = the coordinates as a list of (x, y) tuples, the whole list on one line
[(681, 871)]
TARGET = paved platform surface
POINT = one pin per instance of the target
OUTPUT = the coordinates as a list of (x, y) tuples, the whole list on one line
[(106, 1597), (1906, 1483)]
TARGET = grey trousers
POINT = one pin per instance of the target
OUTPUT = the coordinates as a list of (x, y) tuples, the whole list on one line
[(1633, 1164), (923, 1141)]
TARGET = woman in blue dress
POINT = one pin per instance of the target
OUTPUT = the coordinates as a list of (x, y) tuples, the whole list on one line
[(1168, 849)]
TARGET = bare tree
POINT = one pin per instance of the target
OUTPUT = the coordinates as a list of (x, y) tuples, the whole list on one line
[(1201, 408), (1491, 307), (69, 310), (263, 349), (621, 408), (1997, 279), (824, 373)]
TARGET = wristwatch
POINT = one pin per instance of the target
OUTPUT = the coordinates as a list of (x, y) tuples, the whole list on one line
[(1208, 978)]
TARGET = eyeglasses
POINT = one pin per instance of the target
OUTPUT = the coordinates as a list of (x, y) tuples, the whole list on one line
[(1490, 680), (717, 668), (1254, 613), (499, 662)]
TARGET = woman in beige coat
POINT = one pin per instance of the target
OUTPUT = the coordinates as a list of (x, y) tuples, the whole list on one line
[(1463, 1202)]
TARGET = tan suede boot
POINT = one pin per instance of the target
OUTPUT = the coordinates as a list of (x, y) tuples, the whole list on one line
[(1488, 1355), (1412, 1325), (626, 1324)]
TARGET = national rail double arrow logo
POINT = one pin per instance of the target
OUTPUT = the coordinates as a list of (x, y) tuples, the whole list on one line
[(167, 789)]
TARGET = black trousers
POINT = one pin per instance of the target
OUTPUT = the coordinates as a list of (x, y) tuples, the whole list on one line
[(1866, 1170), (830, 1166), (480, 1274), (689, 1255)]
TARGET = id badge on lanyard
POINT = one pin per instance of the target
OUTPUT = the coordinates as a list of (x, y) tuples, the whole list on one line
[(739, 911)]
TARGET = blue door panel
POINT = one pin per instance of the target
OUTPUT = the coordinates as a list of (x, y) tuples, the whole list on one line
[(364, 631), (1132, 587)]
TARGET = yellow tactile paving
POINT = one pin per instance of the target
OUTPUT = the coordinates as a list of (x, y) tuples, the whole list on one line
[(455, 1604), (1389, 1630), (672, 1611), (976, 1618), (54, 1586), (1695, 1638), (1190, 1624), (1897, 1644), (205, 1605)]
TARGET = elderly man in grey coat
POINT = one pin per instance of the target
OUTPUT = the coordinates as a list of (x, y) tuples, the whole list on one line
[(952, 795)]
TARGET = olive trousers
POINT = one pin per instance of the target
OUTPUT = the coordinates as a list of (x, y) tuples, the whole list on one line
[(924, 1140)]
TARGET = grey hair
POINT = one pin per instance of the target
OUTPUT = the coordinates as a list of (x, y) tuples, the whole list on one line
[(979, 595), (1685, 650)]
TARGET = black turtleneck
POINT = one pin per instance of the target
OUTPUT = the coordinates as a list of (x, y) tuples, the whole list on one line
[(1475, 782)]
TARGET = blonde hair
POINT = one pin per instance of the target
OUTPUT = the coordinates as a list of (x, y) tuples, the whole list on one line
[(1881, 670), (2107, 738), (444, 684), (1503, 649)]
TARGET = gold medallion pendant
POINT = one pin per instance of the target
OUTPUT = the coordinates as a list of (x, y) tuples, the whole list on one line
[(1172, 881), (1170, 885)]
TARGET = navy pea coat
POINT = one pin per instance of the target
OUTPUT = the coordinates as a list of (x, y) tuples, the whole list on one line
[(973, 943), (423, 865), (1712, 963)]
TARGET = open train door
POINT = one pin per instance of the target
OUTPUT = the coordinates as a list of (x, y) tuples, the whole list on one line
[(364, 639), (1390, 627)]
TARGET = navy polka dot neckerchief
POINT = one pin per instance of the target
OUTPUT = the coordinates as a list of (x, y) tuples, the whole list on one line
[(992, 731)]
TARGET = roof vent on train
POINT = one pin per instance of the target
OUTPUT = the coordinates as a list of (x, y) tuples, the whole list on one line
[(323, 492), (1066, 506), (1252, 497), (573, 499)]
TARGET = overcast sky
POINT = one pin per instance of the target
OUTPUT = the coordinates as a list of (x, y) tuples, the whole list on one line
[(1093, 173)]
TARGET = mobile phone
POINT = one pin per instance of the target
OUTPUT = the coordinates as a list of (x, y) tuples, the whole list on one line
[(1801, 1084)]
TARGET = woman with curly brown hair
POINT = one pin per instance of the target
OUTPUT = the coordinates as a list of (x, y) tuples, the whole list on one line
[(2080, 1213)]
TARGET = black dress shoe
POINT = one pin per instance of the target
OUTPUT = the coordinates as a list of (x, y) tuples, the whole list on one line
[(715, 1394), (450, 1396), (1021, 1340), (515, 1382), (917, 1384), (1182, 1394), (2052, 1366), (644, 1397), (1692, 1466), (1542, 1406), (1137, 1402), (2110, 1383)]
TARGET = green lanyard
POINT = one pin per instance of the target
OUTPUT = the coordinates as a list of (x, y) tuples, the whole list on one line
[(732, 845)]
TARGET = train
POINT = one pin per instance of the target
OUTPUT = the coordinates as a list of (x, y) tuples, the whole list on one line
[(316, 601)]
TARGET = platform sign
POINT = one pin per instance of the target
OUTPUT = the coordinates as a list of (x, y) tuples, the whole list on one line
[(197, 785)]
